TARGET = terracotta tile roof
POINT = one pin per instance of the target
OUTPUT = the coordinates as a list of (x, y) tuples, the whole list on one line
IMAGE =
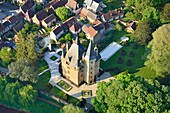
[(75, 27), (18, 27), (91, 31), (41, 15), (97, 22), (84, 12), (72, 4), (112, 14), (91, 15), (49, 18), (69, 22), (27, 5)]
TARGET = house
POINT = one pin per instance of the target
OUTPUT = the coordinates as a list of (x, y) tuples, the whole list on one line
[(91, 33), (59, 3), (99, 26), (68, 23), (2, 29), (112, 15), (49, 21), (29, 4), (131, 26), (7, 25), (86, 14), (56, 33), (19, 26), (40, 1), (72, 5), (92, 5), (75, 28), (38, 17), (29, 15), (80, 65), (13, 20)]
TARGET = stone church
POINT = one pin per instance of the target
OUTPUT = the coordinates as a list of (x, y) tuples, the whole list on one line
[(79, 64)]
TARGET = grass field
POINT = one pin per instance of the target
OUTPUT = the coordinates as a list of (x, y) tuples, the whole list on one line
[(41, 65), (111, 4), (127, 58)]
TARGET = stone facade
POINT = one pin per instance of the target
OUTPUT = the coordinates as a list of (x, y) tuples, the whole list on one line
[(80, 65)]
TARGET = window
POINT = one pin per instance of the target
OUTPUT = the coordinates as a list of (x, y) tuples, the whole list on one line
[(91, 68), (68, 72), (91, 73)]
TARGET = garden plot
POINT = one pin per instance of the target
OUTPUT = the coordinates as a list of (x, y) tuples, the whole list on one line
[(110, 50)]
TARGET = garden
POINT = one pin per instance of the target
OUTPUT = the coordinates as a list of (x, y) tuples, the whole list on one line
[(53, 58), (86, 93), (64, 85)]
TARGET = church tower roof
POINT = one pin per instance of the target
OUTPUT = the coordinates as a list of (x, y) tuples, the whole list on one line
[(90, 53)]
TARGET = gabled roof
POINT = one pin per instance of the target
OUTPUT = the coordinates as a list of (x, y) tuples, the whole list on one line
[(57, 30), (112, 14), (91, 15), (89, 30), (59, 4), (2, 27), (13, 19), (69, 22), (84, 12), (72, 4), (41, 15), (88, 2), (49, 18), (95, 6), (75, 27), (98, 1), (20, 16), (18, 27), (30, 13), (50, 4), (27, 5), (6, 23)]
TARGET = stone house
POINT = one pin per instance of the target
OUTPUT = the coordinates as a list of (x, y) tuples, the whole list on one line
[(49, 21), (72, 5), (38, 17), (80, 65)]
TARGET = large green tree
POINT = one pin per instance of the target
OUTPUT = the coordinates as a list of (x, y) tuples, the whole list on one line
[(159, 57), (143, 32), (132, 94), (63, 13), (24, 71), (72, 109), (165, 14)]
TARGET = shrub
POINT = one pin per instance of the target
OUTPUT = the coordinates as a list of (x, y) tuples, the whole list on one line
[(129, 63), (123, 52), (135, 46), (65, 96), (119, 60), (131, 54)]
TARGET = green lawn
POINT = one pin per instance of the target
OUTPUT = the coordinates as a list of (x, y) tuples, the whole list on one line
[(41, 65), (53, 58), (112, 4), (128, 59), (64, 85), (113, 35)]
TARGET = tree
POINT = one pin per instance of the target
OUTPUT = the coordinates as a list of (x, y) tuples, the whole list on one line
[(165, 15), (26, 48), (159, 56), (3, 83), (118, 27), (131, 94), (7, 54), (23, 70), (38, 7), (143, 33), (68, 37), (72, 109), (27, 95), (63, 13)]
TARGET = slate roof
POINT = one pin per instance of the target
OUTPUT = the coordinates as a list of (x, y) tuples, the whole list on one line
[(6, 23), (2, 27), (27, 5), (57, 30), (30, 13), (75, 27), (90, 53), (13, 19), (59, 4), (41, 15), (18, 27), (49, 18), (68, 23), (50, 4)]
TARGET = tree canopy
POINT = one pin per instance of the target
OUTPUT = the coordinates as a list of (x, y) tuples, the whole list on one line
[(143, 33), (63, 13), (7, 54), (165, 14), (72, 109), (132, 94), (159, 57)]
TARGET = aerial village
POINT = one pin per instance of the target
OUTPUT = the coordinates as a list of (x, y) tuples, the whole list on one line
[(66, 50)]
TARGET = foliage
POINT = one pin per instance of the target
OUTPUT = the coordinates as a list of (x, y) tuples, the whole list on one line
[(131, 94), (118, 27), (82, 35), (23, 70), (165, 15), (63, 13), (26, 48), (66, 38), (159, 56), (7, 54), (72, 109), (143, 33), (38, 7)]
